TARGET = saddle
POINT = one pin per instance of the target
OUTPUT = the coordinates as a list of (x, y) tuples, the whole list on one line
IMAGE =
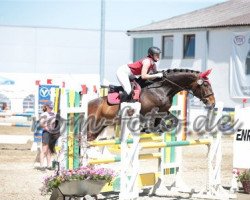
[(114, 93)]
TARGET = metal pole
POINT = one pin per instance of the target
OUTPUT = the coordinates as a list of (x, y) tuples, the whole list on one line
[(102, 42)]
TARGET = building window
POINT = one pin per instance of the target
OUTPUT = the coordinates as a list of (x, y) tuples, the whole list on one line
[(248, 63), (167, 47), (29, 103), (141, 46), (189, 46)]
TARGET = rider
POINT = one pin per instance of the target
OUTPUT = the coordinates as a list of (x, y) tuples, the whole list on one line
[(141, 67)]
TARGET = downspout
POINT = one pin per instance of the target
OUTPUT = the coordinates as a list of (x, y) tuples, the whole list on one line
[(204, 67)]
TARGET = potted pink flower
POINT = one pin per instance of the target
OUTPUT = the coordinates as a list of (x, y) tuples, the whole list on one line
[(244, 178), (81, 181)]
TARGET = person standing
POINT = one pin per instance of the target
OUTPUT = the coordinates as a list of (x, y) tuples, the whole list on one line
[(47, 122), (36, 145)]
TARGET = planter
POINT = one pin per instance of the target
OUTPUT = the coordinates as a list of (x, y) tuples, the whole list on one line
[(82, 187), (246, 186)]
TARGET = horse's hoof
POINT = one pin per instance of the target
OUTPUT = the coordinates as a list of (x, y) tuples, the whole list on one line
[(130, 112), (147, 131)]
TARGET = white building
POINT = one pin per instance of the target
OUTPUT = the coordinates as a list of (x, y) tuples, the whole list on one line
[(198, 40), (70, 55)]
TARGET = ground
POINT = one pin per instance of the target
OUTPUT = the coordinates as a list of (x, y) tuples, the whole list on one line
[(19, 179)]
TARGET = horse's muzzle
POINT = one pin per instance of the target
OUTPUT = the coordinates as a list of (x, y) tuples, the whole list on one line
[(210, 106)]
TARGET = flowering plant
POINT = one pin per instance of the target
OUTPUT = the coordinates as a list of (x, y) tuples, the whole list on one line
[(244, 175), (82, 173)]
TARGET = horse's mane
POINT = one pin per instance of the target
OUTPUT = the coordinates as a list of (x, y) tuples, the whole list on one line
[(168, 74)]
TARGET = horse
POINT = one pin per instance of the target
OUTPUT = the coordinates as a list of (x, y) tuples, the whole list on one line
[(157, 94)]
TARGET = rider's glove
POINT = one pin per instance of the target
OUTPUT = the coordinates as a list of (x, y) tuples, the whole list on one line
[(159, 75)]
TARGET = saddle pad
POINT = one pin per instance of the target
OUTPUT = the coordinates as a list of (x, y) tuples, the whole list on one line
[(136, 91), (114, 98)]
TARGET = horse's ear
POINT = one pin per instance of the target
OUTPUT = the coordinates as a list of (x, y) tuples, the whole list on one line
[(205, 74)]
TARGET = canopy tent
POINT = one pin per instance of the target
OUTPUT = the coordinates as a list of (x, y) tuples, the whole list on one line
[(6, 81)]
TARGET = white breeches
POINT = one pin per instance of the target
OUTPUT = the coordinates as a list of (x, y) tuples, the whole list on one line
[(123, 73)]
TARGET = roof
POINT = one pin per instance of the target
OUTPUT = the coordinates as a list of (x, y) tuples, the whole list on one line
[(229, 13)]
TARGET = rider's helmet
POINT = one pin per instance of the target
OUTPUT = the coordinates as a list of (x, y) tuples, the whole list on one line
[(153, 50)]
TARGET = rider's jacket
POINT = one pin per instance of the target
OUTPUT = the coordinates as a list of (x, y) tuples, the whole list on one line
[(136, 67)]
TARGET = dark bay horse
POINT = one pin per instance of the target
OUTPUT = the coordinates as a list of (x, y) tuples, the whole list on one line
[(159, 94)]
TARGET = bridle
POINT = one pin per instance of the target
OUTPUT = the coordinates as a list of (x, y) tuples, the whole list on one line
[(203, 98)]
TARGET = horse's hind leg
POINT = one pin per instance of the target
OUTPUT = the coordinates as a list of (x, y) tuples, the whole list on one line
[(147, 126)]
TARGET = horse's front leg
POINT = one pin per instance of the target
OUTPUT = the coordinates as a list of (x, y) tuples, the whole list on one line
[(166, 123)]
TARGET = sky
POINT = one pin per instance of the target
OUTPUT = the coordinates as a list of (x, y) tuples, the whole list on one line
[(85, 14)]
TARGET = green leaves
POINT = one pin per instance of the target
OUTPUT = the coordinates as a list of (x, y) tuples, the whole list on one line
[(244, 176)]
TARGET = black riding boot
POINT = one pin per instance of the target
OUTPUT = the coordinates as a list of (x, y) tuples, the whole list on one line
[(124, 96)]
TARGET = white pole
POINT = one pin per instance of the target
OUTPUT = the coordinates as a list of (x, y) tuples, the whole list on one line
[(214, 189), (130, 125), (102, 42), (84, 139), (63, 139)]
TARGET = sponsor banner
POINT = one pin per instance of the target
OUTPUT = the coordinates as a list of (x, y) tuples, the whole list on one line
[(241, 158), (46, 93), (240, 66)]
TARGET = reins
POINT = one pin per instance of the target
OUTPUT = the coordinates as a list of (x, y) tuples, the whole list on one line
[(203, 97), (166, 79)]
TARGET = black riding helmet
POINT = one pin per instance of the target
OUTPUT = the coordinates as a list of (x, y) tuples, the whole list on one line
[(153, 50)]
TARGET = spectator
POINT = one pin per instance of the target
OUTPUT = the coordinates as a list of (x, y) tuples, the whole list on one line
[(5, 106), (47, 122)]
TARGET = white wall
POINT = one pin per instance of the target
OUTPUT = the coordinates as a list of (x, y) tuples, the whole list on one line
[(220, 51), (216, 56), (51, 50), (117, 53), (178, 61)]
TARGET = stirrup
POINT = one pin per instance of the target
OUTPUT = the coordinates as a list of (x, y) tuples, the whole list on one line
[(125, 97)]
